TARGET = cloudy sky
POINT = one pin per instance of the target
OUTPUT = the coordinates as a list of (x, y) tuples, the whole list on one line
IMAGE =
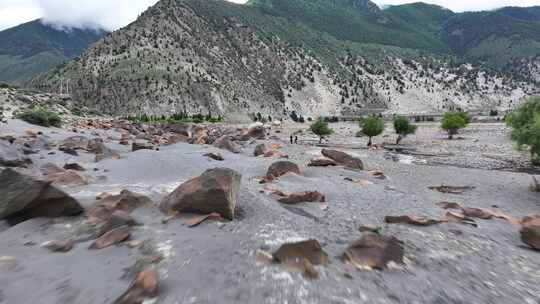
[(112, 14)]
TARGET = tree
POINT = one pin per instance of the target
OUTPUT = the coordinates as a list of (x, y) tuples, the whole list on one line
[(372, 126), (452, 122), (403, 127), (525, 123), (321, 129)]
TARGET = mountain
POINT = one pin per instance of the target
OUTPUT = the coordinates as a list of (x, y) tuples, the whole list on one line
[(34, 47), (314, 57)]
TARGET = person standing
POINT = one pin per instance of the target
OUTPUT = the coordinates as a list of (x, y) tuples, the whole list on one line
[(296, 140), (291, 139)]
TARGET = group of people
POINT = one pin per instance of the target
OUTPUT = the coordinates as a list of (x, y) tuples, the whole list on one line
[(294, 139)]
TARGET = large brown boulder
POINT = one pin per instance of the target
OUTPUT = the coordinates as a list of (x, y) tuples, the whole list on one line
[(24, 197), (530, 231), (214, 191), (280, 168), (225, 142), (344, 159)]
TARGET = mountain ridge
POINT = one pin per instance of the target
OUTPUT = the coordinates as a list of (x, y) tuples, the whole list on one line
[(34, 47), (212, 56)]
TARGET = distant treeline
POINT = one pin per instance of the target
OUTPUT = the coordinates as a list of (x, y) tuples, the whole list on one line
[(176, 117)]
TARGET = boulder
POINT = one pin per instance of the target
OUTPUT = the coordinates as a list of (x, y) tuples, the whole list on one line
[(214, 191), (125, 201), (214, 156), (310, 250), (225, 142), (141, 145), (535, 185), (280, 168), (11, 155), (68, 178), (200, 135), (97, 147), (530, 231), (260, 150), (321, 162), (24, 197), (124, 139), (144, 286), (74, 166), (50, 168), (180, 128), (374, 251), (117, 219), (344, 159), (255, 131), (73, 143), (303, 197), (112, 237), (59, 246)]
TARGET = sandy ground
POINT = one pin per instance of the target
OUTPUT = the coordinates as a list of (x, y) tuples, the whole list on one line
[(216, 262)]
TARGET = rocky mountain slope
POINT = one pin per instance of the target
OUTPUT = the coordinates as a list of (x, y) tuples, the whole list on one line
[(34, 47), (313, 57)]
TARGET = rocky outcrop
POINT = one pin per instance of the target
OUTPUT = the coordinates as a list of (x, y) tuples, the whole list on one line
[(24, 197), (215, 190)]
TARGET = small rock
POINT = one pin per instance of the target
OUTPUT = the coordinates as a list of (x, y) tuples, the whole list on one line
[(214, 156), (303, 197)]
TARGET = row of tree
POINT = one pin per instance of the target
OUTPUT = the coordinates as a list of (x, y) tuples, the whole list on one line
[(525, 124)]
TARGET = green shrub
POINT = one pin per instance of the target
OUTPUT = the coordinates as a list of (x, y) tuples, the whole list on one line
[(41, 117), (525, 123), (321, 129), (465, 117), (372, 126), (452, 122), (403, 127)]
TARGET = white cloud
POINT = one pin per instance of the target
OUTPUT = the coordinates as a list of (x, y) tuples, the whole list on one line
[(113, 14)]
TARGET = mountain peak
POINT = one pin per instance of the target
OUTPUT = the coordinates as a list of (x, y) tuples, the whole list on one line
[(363, 5)]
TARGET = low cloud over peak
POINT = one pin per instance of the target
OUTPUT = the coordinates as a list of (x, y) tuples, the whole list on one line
[(104, 14), (113, 14)]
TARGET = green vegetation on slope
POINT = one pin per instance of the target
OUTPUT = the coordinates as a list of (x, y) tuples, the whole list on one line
[(32, 48)]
